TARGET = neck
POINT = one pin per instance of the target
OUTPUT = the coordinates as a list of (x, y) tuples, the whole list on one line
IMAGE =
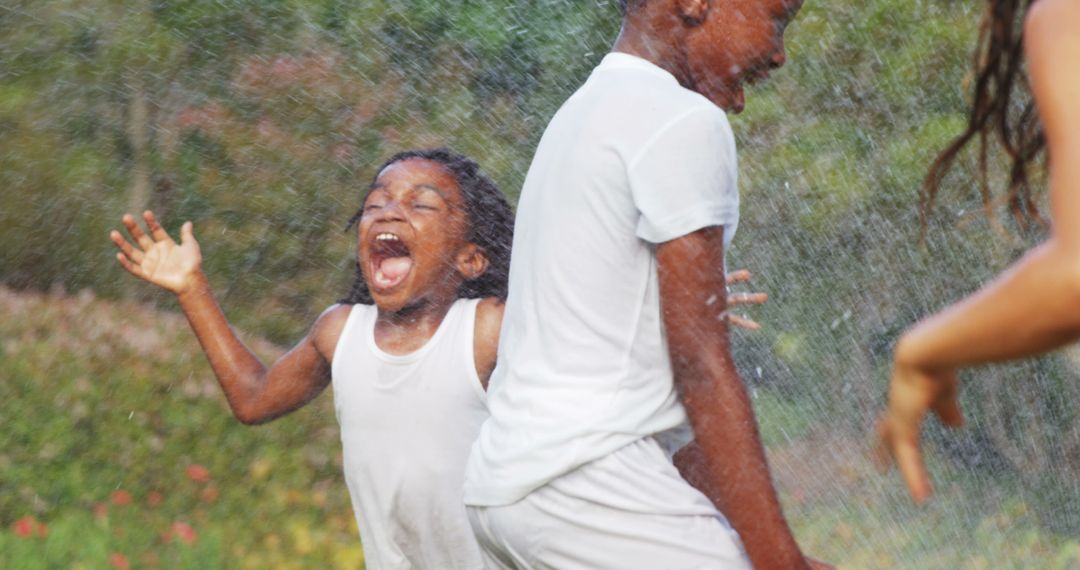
[(639, 37), (423, 314)]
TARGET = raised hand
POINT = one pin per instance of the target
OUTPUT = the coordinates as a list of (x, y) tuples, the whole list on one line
[(156, 257), (912, 393), (742, 276)]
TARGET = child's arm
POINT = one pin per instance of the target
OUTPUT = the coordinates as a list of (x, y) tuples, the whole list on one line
[(255, 394), (1035, 306), (736, 473), (489, 314)]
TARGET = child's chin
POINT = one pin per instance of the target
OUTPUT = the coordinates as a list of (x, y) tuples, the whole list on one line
[(389, 301)]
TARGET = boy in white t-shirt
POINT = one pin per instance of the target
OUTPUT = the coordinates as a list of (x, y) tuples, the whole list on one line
[(615, 333)]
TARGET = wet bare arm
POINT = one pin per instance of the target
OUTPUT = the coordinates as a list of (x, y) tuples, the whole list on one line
[(255, 393), (1034, 306), (489, 314), (733, 470)]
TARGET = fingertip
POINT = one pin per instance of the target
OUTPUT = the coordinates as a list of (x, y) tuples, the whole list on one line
[(921, 494)]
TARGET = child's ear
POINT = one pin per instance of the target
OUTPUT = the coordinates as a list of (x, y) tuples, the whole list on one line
[(693, 12), (471, 261)]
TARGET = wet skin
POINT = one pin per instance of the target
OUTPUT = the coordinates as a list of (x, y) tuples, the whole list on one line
[(418, 203), (711, 47), (416, 199)]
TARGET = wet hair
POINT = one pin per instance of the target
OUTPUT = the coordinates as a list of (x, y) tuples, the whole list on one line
[(488, 213), (1001, 107)]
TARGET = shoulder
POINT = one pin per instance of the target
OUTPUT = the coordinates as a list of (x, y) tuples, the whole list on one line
[(1051, 14), (326, 331), (1049, 27), (489, 315), (695, 145), (1052, 48)]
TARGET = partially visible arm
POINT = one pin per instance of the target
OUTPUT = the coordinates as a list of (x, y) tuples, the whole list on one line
[(258, 394), (255, 394), (489, 314), (1033, 307), (733, 472)]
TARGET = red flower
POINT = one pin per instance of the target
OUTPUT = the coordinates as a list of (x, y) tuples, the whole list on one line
[(154, 498), (101, 510), (24, 527), (183, 532), (121, 498), (119, 561), (198, 473), (209, 494)]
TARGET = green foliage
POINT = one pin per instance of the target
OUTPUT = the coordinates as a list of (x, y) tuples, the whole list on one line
[(263, 121), (108, 406)]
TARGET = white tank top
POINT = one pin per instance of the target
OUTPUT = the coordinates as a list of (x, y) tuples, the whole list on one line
[(407, 423)]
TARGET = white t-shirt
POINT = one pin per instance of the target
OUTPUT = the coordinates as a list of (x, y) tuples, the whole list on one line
[(407, 422), (632, 159)]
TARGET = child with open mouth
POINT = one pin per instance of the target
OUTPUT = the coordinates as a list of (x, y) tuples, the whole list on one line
[(409, 351)]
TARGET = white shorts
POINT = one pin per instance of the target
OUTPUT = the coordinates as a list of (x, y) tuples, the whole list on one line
[(628, 510)]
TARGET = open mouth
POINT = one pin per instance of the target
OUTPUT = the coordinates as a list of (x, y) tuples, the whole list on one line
[(390, 261)]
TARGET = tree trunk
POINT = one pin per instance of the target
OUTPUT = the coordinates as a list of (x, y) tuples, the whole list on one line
[(139, 136)]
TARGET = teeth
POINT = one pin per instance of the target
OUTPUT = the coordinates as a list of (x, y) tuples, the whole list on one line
[(386, 237)]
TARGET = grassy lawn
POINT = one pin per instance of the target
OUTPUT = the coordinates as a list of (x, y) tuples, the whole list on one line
[(119, 452)]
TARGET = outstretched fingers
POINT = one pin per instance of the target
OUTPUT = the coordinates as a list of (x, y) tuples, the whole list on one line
[(738, 276), (947, 403), (899, 443), (137, 232), (130, 267), (747, 298), (187, 232), (909, 459), (126, 249), (743, 322), (156, 230)]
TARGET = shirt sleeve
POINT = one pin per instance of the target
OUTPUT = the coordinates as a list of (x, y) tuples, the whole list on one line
[(685, 177)]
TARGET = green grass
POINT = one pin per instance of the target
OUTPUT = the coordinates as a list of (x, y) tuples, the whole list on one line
[(107, 405)]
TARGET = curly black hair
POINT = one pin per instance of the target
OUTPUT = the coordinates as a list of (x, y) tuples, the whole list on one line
[(490, 218)]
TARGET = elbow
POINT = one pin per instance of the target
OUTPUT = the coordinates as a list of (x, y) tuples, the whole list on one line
[(250, 416)]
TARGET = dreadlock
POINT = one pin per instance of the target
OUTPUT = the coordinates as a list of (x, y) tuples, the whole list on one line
[(490, 219), (999, 81)]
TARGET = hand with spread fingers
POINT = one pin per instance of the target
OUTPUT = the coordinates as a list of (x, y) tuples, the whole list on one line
[(912, 393), (742, 276), (155, 257)]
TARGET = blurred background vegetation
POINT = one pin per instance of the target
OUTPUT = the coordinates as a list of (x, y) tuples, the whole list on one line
[(262, 121)]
